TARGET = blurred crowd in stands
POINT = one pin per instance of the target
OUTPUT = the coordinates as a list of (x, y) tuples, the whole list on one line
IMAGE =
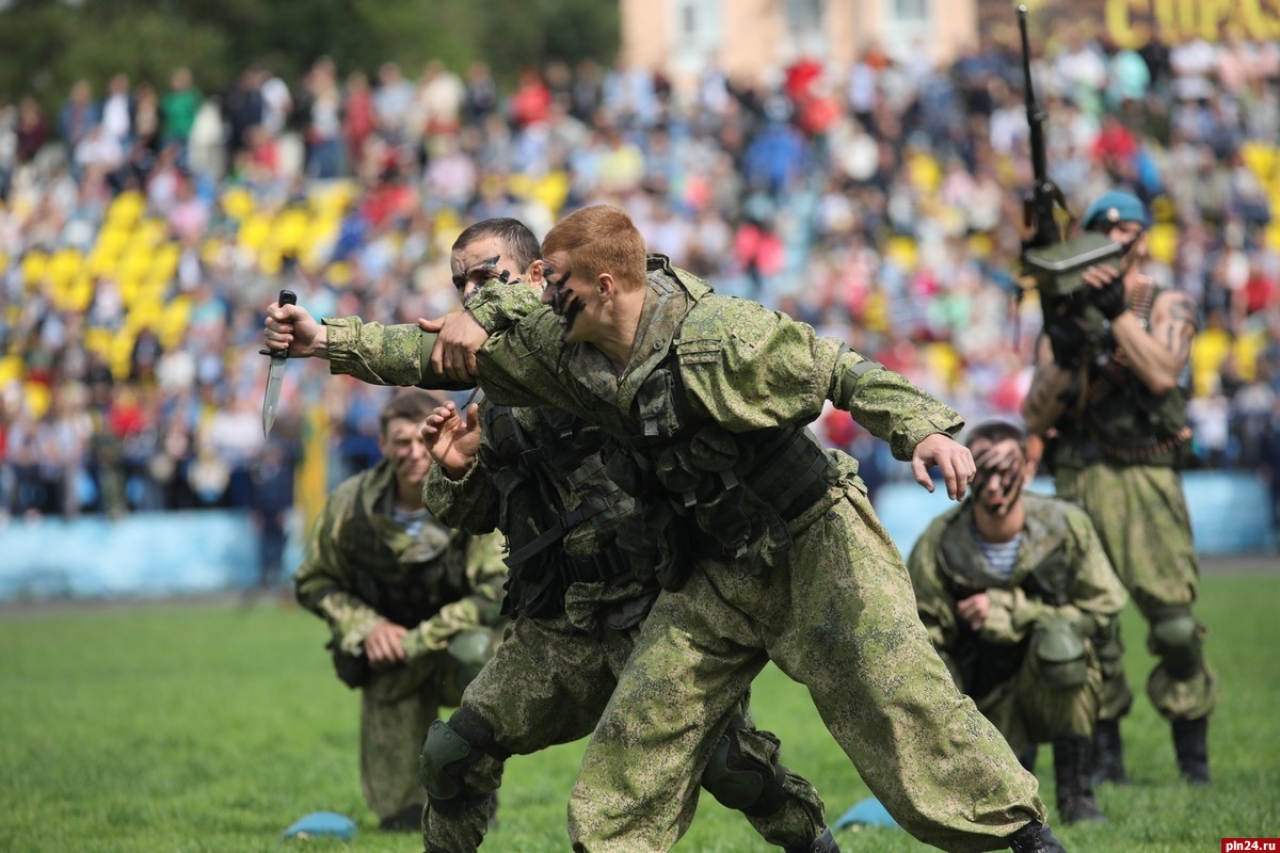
[(142, 232)]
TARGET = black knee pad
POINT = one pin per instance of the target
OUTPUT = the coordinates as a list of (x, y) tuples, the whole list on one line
[(1175, 638), (448, 750), (741, 782)]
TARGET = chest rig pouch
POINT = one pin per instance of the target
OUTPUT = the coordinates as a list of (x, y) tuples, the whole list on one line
[(410, 586), (536, 516), (727, 494)]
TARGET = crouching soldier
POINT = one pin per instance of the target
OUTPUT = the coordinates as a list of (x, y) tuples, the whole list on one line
[(412, 605), (1018, 596)]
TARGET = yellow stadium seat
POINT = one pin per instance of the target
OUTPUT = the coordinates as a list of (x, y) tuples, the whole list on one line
[(129, 288), (925, 173), (290, 230), (126, 209), (34, 266), (552, 190), (1273, 235), (121, 352), (80, 294), (173, 321), (1163, 209), (150, 233), (902, 250), (165, 263), (145, 313), (1246, 351), (520, 185), (254, 232), (4, 263), (37, 397), (875, 312), (238, 203), (10, 369), (1209, 349), (270, 261), (1260, 158), (338, 274), (943, 361), (63, 266), (99, 341), (980, 246), (135, 265), (1162, 242)]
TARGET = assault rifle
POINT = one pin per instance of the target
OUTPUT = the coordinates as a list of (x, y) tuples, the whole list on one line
[(1053, 263)]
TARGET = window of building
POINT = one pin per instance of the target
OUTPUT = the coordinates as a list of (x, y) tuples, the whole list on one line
[(805, 16), (909, 11), (698, 25)]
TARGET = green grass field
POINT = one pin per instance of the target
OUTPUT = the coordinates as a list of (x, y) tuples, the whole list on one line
[(204, 728)]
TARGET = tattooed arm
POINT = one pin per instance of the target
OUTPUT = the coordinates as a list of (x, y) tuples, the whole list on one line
[(1159, 356), (1043, 404)]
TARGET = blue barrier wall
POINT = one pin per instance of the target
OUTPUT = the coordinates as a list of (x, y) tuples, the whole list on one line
[(141, 554), (170, 553), (1230, 512)]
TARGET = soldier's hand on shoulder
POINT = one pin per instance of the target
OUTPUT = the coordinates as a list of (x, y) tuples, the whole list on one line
[(459, 338)]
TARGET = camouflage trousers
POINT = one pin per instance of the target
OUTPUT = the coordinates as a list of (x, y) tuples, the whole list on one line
[(1141, 517), (840, 618), (549, 683), (1027, 710), (396, 708)]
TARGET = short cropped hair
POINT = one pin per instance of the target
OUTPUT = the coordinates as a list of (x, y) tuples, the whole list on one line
[(600, 239), (996, 432), (412, 404), (522, 246)]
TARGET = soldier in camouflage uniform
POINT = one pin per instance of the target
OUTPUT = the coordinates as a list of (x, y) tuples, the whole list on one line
[(1115, 411), (577, 604), (768, 548), (1014, 590), (412, 606)]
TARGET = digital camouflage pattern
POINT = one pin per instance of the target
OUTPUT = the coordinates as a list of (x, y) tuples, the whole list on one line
[(1141, 517), (551, 678), (354, 556), (1060, 572), (838, 616)]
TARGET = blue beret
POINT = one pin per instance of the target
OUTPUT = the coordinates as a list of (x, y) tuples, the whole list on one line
[(1115, 206)]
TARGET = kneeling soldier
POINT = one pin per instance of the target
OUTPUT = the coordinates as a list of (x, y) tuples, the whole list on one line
[(1018, 595)]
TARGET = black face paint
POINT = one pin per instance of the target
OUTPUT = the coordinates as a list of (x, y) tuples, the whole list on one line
[(565, 303), (1005, 465)]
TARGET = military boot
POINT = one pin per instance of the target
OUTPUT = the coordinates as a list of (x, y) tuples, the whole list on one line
[(1191, 743), (1035, 838), (1073, 771), (1027, 758), (824, 843), (408, 819), (1108, 754)]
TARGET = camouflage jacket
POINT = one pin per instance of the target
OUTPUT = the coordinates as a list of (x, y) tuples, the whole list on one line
[(1061, 570), (554, 472), (741, 365), (360, 569)]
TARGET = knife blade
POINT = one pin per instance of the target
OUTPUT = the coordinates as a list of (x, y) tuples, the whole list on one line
[(275, 376)]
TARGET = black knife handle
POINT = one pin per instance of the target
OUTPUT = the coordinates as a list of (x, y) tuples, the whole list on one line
[(287, 297)]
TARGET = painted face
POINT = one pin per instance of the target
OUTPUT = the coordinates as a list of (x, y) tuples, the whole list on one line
[(1002, 473), (1131, 235), (568, 296), (479, 261), (404, 446)]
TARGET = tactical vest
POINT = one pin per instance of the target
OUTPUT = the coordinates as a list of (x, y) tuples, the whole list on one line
[(1119, 420), (529, 469), (404, 592), (984, 665), (724, 494)]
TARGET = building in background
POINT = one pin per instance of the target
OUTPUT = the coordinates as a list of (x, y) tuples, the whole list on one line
[(755, 38), (1133, 23)]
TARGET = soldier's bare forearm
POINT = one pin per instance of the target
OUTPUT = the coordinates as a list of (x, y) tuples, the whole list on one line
[(1043, 405), (1158, 356)]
